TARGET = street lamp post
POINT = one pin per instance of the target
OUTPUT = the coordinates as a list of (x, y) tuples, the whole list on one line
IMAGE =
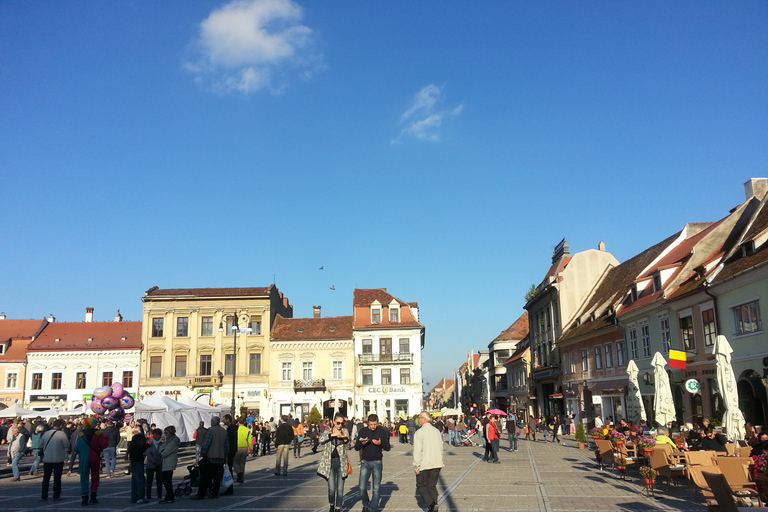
[(235, 328)]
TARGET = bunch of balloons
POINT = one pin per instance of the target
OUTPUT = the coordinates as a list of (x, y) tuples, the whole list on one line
[(111, 400)]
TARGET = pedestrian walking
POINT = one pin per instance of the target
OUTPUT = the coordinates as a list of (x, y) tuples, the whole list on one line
[(90, 443), (450, 425), (411, 424), (35, 446), (427, 460), (485, 425), (213, 456), (170, 454), (555, 426), (153, 464), (493, 437), (53, 445), (232, 449), (314, 435), (371, 442), (112, 433), (512, 432), (266, 438), (16, 449), (243, 442), (334, 461), (283, 439), (136, 450), (403, 430), (298, 438)]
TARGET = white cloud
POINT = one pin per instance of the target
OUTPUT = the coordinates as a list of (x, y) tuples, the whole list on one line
[(424, 117), (250, 45)]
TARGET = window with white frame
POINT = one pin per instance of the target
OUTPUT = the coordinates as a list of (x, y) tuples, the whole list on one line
[(572, 362), (609, 356), (337, 370), (286, 371), (394, 315), (405, 375), (621, 357), (645, 340), (367, 376), (386, 376), (664, 328), (584, 360), (306, 370), (708, 324), (598, 357), (746, 318), (633, 352), (375, 315), (11, 380), (368, 346), (686, 331)]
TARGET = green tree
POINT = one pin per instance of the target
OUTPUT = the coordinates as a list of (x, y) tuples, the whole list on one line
[(531, 293), (313, 418), (581, 434)]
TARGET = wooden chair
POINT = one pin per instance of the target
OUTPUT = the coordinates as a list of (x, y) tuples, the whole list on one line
[(695, 474), (628, 454), (700, 458), (730, 448), (604, 452), (735, 470), (674, 456), (660, 463), (726, 501)]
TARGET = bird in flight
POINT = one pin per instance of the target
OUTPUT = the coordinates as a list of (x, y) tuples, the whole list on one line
[(333, 287), (321, 268)]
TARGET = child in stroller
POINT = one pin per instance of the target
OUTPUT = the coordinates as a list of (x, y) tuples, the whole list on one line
[(465, 438)]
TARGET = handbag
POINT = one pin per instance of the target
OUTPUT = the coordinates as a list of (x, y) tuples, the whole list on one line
[(349, 466)]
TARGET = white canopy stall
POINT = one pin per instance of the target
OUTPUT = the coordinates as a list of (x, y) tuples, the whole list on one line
[(164, 411)]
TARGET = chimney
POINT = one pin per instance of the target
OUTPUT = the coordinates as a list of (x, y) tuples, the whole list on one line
[(315, 311), (755, 187), (601, 246), (118, 316), (51, 319), (89, 314), (2, 316)]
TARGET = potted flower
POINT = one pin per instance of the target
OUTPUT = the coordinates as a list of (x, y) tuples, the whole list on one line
[(617, 437), (580, 435), (597, 433), (646, 443), (761, 466), (648, 475), (621, 464)]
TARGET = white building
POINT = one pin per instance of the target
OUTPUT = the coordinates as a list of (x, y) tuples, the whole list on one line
[(388, 341), (68, 360)]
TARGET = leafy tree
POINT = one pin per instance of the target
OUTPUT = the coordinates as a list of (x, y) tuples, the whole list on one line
[(581, 434), (314, 417), (531, 293)]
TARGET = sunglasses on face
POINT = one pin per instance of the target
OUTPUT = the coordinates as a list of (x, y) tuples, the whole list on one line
[(339, 422)]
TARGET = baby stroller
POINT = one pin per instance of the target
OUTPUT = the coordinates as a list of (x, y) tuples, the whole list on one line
[(465, 438), (189, 481)]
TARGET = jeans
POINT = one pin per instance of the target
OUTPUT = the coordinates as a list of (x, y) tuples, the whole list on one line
[(296, 447), (370, 469), (281, 464), (336, 483), (110, 460), (37, 461), (495, 449), (452, 438), (15, 464), (138, 482), (56, 469), (554, 435), (513, 442)]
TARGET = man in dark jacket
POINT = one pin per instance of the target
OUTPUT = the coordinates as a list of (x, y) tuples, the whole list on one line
[(283, 440), (213, 456), (232, 440), (112, 433), (411, 424), (512, 432), (371, 442), (713, 441)]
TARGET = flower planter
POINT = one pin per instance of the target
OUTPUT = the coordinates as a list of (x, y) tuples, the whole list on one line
[(648, 483), (581, 446), (618, 442), (647, 452)]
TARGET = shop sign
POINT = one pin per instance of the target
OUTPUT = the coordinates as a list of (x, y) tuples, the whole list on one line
[(44, 398), (167, 392), (204, 390), (692, 386), (386, 389)]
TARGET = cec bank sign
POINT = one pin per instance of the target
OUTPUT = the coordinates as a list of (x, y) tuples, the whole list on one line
[(386, 389)]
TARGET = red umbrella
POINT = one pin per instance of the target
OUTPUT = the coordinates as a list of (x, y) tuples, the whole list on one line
[(496, 411)]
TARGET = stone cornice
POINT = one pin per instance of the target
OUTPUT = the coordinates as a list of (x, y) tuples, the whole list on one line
[(312, 345), (91, 354)]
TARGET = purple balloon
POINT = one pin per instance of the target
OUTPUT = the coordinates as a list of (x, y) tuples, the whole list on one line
[(97, 407), (102, 392), (117, 414), (117, 389), (126, 401), (110, 402)]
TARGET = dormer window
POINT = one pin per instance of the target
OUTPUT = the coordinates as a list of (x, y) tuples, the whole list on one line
[(656, 282), (2, 348), (375, 315), (633, 293), (748, 249), (394, 315)]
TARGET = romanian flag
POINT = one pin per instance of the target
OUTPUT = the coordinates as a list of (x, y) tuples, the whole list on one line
[(677, 359)]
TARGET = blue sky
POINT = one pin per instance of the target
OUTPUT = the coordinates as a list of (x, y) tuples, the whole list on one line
[(439, 150)]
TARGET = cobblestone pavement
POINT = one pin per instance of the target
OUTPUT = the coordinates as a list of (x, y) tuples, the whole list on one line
[(538, 477)]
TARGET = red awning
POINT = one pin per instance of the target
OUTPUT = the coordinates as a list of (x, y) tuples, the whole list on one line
[(556, 395)]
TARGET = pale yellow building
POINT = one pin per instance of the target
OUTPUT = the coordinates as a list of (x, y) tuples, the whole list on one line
[(312, 364), (189, 341)]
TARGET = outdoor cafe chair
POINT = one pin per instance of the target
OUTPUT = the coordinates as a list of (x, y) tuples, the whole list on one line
[(725, 497), (604, 452), (662, 465)]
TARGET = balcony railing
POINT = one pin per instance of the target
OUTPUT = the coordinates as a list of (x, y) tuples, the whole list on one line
[(306, 385), (400, 357)]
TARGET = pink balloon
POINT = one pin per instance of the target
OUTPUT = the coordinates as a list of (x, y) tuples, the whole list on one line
[(117, 389), (97, 407), (110, 402), (102, 392)]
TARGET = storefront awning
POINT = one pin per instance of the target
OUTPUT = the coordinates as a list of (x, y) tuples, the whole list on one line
[(556, 395), (609, 388)]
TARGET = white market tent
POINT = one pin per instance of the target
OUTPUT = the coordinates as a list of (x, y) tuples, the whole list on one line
[(16, 411), (164, 411), (50, 413), (206, 411)]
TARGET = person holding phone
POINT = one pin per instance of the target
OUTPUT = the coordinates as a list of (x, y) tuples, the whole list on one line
[(372, 441), (334, 461)]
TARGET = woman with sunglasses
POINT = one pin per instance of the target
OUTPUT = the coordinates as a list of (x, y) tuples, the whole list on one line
[(334, 461)]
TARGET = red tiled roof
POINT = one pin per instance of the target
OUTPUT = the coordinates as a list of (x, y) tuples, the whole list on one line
[(328, 328), (475, 360), (363, 297), (443, 384), (558, 266), (209, 292), (15, 329), (75, 336), (759, 225), (516, 331), (641, 301), (741, 265), (683, 249), (522, 347)]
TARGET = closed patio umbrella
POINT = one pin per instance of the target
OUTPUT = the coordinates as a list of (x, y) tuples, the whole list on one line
[(635, 407), (733, 419), (663, 403)]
